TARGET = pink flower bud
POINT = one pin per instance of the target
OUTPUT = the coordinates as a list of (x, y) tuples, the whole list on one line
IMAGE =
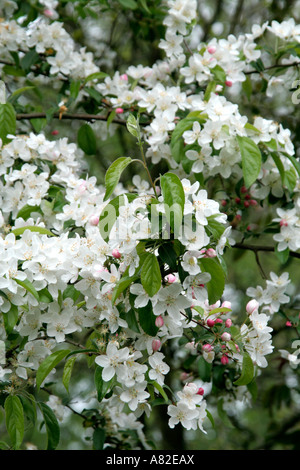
[(218, 320), (228, 323), (224, 360), (226, 336), (156, 344), (283, 223), (94, 220), (47, 12), (200, 391), (251, 306), (184, 376), (210, 322), (124, 77), (171, 278), (55, 132), (157, 189), (211, 49), (211, 253), (119, 110), (159, 321), (116, 254), (226, 304), (228, 83), (207, 347), (288, 323)]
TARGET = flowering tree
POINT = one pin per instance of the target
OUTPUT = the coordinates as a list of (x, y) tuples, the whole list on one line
[(125, 282)]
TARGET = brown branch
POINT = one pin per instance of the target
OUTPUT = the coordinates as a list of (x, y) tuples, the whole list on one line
[(275, 66), (256, 248), (79, 116)]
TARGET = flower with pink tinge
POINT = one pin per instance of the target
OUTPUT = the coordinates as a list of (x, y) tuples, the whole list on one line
[(171, 278), (124, 77), (226, 304), (226, 336), (211, 49), (224, 360), (156, 344), (228, 323), (116, 254), (251, 306), (94, 220), (159, 321), (207, 347)]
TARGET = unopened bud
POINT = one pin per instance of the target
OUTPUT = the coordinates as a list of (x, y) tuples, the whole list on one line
[(226, 336), (116, 254), (211, 253), (200, 391), (228, 83), (207, 347), (171, 278), (119, 110), (156, 344), (159, 321), (211, 49), (224, 360), (94, 220), (210, 322), (251, 306), (228, 323), (124, 77)]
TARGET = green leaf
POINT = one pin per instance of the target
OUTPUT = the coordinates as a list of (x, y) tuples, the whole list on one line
[(133, 126), (14, 418), (29, 287), (294, 161), (7, 122), (131, 4), (177, 144), (15, 95), (130, 318), (48, 364), (251, 159), (147, 319), (86, 139), (26, 211), (113, 175), (219, 74), (95, 76), (32, 228), (174, 200), (247, 371), (160, 390), (283, 256), (52, 426), (45, 296), (68, 372), (215, 286), (110, 213), (99, 438), (279, 165), (168, 255), (151, 275), (11, 318), (102, 387), (121, 285), (290, 179)]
